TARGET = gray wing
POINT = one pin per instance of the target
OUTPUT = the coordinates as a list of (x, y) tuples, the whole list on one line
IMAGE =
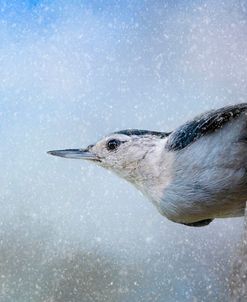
[(202, 125)]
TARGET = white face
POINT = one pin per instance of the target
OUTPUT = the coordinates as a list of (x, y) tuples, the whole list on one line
[(120, 153)]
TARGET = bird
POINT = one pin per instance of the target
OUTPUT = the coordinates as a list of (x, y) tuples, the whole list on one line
[(192, 175)]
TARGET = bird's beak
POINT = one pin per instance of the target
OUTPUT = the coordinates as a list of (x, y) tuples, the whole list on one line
[(75, 153)]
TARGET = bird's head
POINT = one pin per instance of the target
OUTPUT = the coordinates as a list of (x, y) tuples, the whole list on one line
[(123, 152)]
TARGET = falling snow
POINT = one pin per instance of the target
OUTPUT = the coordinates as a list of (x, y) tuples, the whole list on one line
[(70, 72)]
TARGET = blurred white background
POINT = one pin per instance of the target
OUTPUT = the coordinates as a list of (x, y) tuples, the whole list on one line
[(71, 72)]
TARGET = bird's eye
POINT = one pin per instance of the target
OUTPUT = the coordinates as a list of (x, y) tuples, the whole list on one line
[(113, 144)]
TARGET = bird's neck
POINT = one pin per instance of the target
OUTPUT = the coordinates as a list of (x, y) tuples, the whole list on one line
[(153, 174)]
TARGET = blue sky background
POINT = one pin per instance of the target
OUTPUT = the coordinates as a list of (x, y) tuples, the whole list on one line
[(73, 71)]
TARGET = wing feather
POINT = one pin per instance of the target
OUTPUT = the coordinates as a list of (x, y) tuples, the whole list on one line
[(204, 124)]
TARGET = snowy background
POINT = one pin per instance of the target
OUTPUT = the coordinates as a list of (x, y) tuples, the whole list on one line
[(71, 72)]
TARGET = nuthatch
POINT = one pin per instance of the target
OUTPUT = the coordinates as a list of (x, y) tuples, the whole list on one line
[(192, 175)]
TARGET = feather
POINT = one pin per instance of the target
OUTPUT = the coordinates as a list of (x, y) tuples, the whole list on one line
[(204, 124), (138, 132), (200, 223)]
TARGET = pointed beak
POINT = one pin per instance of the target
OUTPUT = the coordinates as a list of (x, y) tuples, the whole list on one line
[(75, 154)]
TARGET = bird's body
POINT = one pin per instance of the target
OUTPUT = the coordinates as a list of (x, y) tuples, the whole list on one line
[(209, 177), (192, 175)]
